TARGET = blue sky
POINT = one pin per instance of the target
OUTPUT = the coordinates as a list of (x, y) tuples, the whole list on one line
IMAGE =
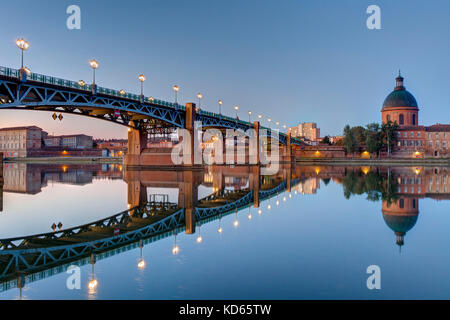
[(293, 61)]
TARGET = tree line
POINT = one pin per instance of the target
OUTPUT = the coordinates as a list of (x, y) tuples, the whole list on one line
[(374, 137)]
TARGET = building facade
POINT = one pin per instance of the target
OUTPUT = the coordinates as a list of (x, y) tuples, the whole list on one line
[(308, 130), (17, 141), (413, 140)]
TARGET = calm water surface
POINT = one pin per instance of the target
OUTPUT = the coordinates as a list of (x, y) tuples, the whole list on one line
[(310, 238)]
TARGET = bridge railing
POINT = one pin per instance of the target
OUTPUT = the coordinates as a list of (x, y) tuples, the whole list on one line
[(10, 72)]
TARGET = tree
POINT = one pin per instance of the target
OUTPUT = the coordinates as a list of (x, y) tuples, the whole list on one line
[(349, 142), (360, 134), (388, 135), (373, 138), (326, 140)]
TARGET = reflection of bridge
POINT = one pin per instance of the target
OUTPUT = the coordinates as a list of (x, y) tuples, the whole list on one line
[(26, 259), (143, 115)]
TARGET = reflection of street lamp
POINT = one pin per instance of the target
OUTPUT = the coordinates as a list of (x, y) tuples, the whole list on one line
[(175, 89), (220, 106), (141, 263), (175, 248), (220, 230), (92, 285), (199, 238), (249, 213), (236, 222), (23, 45)]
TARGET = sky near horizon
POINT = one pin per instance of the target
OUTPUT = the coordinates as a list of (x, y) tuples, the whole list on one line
[(292, 61)]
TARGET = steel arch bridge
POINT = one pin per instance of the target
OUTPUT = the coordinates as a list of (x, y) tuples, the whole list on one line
[(45, 93), (39, 256)]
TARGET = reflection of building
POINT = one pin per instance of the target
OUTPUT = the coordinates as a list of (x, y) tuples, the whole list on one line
[(413, 140), (306, 130), (31, 178), (308, 186), (401, 216)]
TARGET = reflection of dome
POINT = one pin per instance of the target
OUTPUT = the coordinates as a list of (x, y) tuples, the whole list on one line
[(400, 223)]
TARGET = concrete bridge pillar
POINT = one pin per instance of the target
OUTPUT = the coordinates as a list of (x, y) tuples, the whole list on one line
[(190, 121), (254, 184), (137, 141), (288, 152)]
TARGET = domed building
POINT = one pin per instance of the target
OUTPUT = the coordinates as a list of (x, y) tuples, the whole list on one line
[(400, 106), (413, 140)]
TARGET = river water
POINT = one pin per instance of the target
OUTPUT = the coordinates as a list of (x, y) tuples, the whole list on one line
[(312, 234)]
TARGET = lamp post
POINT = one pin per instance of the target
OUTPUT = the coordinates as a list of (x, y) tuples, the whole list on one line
[(176, 89), (269, 120), (23, 45), (94, 65), (199, 96), (220, 102), (142, 78), (249, 116), (236, 108)]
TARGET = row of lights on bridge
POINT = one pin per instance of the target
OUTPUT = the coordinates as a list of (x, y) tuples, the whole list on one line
[(23, 45)]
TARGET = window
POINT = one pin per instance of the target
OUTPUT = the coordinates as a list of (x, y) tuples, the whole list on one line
[(388, 118), (401, 119), (437, 135), (418, 134), (402, 203), (414, 203), (405, 134), (413, 119), (412, 134)]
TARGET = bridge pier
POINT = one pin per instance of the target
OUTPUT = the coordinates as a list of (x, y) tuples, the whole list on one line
[(137, 193), (255, 183), (189, 191), (137, 141)]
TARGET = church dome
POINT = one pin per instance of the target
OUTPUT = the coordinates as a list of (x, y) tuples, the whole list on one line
[(400, 97)]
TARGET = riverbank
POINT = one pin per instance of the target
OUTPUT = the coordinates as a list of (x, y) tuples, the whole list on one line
[(376, 162), (65, 160)]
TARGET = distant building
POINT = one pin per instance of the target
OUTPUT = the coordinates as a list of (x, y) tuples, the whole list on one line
[(308, 130), (17, 141), (112, 147), (32, 141)]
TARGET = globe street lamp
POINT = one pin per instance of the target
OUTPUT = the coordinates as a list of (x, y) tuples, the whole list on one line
[(199, 96), (176, 89), (220, 106), (23, 45), (249, 115), (142, 78), (236, 108), (94, 65), (269, 120)]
